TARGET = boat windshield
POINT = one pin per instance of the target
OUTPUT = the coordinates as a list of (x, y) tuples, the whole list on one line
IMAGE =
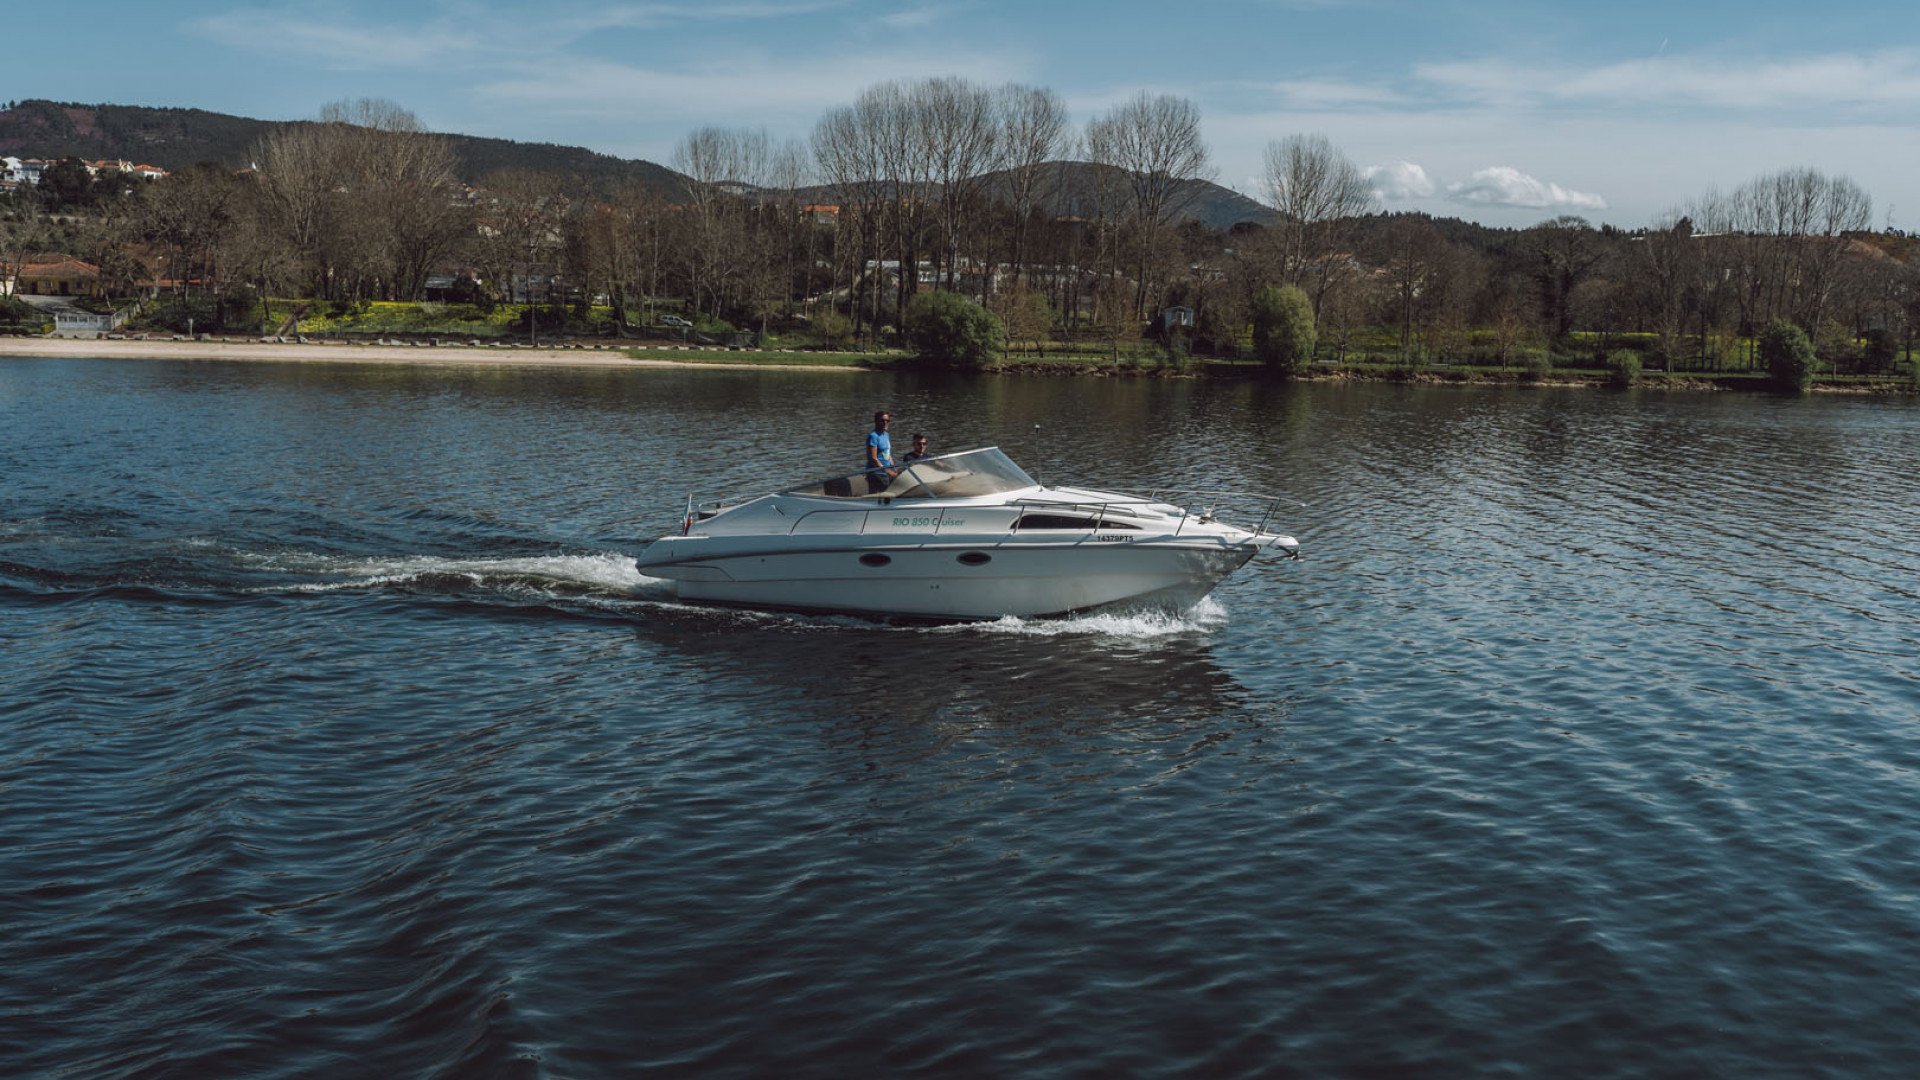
[(949, 476)]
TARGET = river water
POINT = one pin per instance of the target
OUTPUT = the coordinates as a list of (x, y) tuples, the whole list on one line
[(341, 738)]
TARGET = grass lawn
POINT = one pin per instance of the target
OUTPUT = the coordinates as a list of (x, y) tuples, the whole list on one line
[(379, 317)]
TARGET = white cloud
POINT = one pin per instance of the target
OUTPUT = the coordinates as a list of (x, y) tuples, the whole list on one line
[(1884, 79), (1503, 185), (647, 16), (1402, 181), (338, 44), (477, 31), (1333, 93), (742, 87), (913, 18)]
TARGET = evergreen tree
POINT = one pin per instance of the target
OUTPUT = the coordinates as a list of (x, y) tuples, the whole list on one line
[(1788, 356)]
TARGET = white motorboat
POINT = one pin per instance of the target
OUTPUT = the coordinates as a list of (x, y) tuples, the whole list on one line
[(957, 537)]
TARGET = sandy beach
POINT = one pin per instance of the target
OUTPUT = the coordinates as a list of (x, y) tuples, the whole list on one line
[(355, 353)]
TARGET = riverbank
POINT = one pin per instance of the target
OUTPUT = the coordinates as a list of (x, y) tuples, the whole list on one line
[(596, 355), (356, 353)]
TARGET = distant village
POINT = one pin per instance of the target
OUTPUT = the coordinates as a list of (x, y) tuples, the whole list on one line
[(62, 276), (17, 171)]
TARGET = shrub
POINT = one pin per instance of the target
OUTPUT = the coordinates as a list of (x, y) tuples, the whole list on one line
[(1623, 367), (1283, 335), (833, 330), (19, 317), (242, 307), (948, 328), (1535, 364), (1880, 349), (181, 314), (1787, 355)]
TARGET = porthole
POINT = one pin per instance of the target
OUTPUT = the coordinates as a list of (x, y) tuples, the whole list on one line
[(975, 558), (875, 559)]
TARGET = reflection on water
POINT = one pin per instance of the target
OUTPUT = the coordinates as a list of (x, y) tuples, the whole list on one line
[(342, 728)]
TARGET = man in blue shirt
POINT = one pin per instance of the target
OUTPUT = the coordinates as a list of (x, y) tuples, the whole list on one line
[(879, 454)]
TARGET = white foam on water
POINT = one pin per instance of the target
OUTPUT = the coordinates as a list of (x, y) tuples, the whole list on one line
[(603, 572), (1206, 616)]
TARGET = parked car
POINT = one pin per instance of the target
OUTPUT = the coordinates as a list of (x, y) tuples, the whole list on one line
[(674, 320)]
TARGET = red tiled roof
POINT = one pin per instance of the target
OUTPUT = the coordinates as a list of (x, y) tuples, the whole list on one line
[(66, 268)]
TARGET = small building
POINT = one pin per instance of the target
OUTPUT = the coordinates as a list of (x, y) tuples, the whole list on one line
[(68, 277), (85, 324), (1176, 317)]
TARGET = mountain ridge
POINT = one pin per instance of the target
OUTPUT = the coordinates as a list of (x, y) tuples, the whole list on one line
[(175, 138)]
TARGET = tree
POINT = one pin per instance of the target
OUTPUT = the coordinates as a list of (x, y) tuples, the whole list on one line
[(1786, 241), (849, 147), (1664, 260), (518, 228), (722, 166), (1027, 317), (1623, 367), (1317, 191), (23, 231), (1413, 258), (67, 184), (1034, 133), (1787, 355), (1154, 142), (1283, 335), (1565, 251), (364, 199), (960, 138), (951, 329)]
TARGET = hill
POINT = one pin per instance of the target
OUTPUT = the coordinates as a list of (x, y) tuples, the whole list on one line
[(1201, 200), (176, 138), (1064, 192)]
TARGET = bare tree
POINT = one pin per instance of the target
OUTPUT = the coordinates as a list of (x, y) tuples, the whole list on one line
[(366, 196), (725, 168), (1318, 192), (1789, 228), (958, 136), (1564, 252), (1412, 256), (1034, 133), (788, 171), (847, 147), (1154, 140), (517, 228)]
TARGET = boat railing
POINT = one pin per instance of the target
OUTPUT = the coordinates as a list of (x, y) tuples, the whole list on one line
[(1208, 502)]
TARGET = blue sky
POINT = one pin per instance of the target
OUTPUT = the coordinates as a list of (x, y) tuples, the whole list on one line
[(1502, 112)]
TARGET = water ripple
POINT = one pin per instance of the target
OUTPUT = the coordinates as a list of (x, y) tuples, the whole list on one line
[(342, 742)]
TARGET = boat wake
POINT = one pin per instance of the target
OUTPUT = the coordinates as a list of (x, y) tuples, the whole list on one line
[(603, 573), (1206, 616)]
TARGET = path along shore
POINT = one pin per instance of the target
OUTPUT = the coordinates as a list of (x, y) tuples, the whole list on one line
[(598, 356), (354, 353)]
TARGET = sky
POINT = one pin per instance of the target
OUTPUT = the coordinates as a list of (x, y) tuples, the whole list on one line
[(1498, 111)]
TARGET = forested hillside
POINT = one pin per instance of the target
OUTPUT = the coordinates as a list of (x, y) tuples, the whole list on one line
[(174, 139)]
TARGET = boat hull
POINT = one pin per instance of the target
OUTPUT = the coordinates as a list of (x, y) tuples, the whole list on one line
[(953, 582)]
